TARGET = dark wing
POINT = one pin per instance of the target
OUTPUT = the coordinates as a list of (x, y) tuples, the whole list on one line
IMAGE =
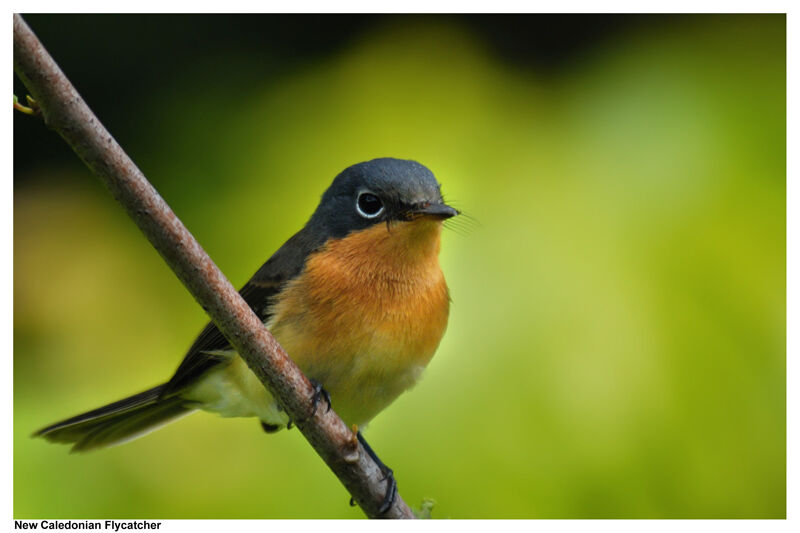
[(205, 351), (259, 293)]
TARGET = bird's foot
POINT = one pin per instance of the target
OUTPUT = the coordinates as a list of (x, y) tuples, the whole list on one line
[(319, 394), (389, 497), (388, 476), (391, 491)]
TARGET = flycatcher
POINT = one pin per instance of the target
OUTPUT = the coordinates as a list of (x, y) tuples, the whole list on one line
[(356, 298)]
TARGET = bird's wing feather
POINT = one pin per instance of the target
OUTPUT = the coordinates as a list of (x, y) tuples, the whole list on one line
[(208, 350)]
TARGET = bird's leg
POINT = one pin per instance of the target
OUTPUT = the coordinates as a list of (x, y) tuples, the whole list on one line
[(388, 475), (319, 394)]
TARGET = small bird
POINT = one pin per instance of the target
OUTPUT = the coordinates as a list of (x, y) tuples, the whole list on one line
[(356, 298)]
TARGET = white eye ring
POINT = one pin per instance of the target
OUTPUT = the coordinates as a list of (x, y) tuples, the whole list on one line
[(368, 197)]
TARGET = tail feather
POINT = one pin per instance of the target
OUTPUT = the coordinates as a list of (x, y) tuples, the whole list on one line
[(117, 422)]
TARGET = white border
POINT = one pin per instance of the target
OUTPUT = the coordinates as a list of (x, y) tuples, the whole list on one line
[(415, 6)]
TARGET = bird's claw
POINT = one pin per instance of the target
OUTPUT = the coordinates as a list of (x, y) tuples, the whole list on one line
[(389, 497), (388, 475), (319, 394), (391, 492)]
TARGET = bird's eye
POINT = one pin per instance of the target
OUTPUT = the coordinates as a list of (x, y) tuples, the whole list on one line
[(368, 205)]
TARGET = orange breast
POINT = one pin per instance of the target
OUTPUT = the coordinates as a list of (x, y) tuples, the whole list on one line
[(367, 314)]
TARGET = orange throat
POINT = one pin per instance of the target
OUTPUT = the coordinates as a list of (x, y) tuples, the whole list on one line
[(401, 251)]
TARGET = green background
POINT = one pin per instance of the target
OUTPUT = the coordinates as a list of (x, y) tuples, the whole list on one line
[(616, 346)]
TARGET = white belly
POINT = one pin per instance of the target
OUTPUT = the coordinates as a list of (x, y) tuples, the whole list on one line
[(233, 390)]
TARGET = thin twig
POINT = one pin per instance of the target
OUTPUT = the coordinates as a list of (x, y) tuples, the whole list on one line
[(64, 111)]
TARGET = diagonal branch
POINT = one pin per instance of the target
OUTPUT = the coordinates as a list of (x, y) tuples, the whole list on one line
[(64, 111)]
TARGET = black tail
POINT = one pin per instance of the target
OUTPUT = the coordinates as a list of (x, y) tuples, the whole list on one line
[(117, 422)]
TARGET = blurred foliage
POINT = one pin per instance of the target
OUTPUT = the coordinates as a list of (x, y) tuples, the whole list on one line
[(616, 346)]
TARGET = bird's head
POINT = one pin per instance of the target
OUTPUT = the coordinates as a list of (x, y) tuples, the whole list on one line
[(386, 190)]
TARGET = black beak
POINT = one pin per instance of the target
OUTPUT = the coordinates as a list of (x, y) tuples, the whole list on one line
[(440, 211)]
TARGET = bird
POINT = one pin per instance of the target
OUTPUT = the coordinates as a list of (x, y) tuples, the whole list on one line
[(357, 298)]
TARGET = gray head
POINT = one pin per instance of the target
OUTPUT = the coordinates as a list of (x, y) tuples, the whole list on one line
[(381, 190)]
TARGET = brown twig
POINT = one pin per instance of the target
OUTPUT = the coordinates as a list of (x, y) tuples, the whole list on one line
[(64, 111)]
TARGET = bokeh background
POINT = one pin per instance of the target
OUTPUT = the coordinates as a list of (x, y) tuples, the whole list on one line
[(616, 346)]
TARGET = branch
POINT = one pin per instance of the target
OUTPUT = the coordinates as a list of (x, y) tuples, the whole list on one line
[(64, 111)]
